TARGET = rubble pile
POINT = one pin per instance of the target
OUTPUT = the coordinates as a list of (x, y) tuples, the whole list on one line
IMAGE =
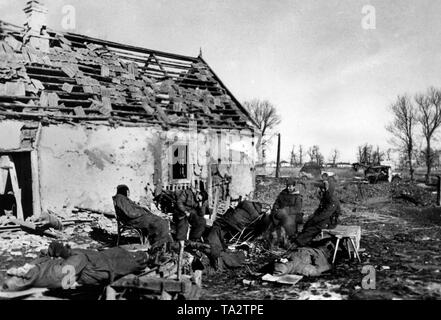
[(358, 192), (413, 194), (22, 244), (104, 223)]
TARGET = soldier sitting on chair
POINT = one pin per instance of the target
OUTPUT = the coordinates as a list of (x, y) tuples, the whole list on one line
[(286, 213), (191, 206), (152, 226)]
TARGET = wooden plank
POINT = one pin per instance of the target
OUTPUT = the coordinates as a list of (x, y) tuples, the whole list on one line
[(36, 201), (4, 172), (153, 284), (3, 180), (80, 39), (16, 189), (105, 213), (33, 227), (22, 294), (216, 204)]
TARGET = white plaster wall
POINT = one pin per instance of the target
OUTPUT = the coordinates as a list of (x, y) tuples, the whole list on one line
[(10, 134), (82, 166)]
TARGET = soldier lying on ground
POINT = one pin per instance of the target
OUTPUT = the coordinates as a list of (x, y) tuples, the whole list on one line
[(307, 261), (63, 267), (154, 227)]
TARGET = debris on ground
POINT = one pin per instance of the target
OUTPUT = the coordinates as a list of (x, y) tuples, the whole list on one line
[(400, 238), (290, 279)]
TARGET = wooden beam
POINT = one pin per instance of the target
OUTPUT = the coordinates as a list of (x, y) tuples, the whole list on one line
[(153, 284), (160, 65), (33, 227), (146, 65), (216, 204), (278, 157), (36, 197), (15, 186), (81, 39)]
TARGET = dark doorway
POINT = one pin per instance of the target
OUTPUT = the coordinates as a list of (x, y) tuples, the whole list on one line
[(22, 162)]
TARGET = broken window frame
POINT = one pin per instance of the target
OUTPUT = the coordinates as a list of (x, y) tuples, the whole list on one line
[(187, 177)]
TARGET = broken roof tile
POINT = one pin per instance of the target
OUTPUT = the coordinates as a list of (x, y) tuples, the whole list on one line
[(53, 99), (37, 83), (162, 115), (15, 89), (70, 69), (44, 100), (67, 87), (107, 106), (87, 89), (79, 111), (105, 71)]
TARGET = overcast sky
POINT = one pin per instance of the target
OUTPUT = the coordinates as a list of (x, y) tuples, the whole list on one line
[(330, 79)]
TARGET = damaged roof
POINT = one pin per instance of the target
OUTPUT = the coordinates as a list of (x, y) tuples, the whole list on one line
[(79, 78)]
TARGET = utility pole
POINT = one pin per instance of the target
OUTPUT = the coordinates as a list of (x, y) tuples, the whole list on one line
[(438, 191), (278, 159)]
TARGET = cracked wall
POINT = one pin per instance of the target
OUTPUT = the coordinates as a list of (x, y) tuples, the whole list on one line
[(82, 166)]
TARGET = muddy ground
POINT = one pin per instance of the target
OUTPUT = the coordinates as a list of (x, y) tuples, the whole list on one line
[(401, 238)]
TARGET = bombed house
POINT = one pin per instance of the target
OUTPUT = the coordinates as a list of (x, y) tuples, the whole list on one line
[(80, 115)]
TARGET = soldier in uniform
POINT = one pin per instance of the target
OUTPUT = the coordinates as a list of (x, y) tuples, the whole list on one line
[(326, 215), (191, 207), (287, 210)]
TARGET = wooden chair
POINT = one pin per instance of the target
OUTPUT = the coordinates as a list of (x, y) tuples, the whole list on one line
[(122, 227)]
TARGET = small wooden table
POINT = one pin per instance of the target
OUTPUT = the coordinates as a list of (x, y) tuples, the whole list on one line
[(352, 235)]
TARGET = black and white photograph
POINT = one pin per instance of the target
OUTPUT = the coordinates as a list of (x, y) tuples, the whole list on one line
[(229, 151)]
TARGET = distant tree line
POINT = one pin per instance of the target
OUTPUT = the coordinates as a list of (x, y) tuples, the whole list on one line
[(314, 155), (369, 155)]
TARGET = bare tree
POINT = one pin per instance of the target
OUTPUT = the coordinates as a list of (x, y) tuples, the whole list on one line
[(265, 115), (429, 107), (365, 154), (301, 155), (335, 154), (315, 155), (388, 154), (377, 156), (293, 160), (402, 128)]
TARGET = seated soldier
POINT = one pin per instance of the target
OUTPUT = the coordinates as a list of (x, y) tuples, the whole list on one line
[(191, 207), (325, 216), (152, 226), (287, 209)]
